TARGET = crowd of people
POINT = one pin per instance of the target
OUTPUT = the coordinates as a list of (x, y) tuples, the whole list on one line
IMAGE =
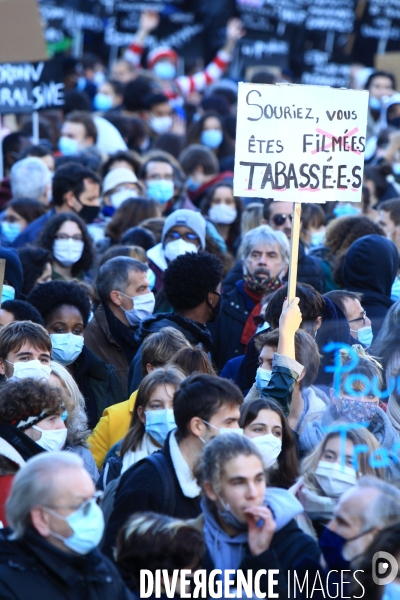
[(163, 406)]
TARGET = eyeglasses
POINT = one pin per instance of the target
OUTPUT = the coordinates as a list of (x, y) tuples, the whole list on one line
[(280, 219), (188, 237), (362, 318), (85, 506), (64, 236)]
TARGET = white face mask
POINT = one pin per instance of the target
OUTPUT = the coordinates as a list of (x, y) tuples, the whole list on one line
[(119, 197), (68, 252), (33, 369), (52, 440), (270, 447), (143, 307), (222, 214), (178, 247), (161, 125), (335, 479)]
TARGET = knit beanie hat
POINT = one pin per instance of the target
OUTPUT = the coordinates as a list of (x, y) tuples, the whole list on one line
[(188, 218)]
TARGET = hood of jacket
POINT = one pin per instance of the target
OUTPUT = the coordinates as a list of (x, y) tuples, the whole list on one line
[(194, 332), (371, 265), (228, 552)]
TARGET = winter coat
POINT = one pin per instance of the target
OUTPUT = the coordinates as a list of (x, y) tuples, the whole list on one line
[(98, 384), (227, 330), (100, 340), (288, 544), (370, 267), (112, 427), (31, 568), (141, 489), (195, 333), (309, 271)]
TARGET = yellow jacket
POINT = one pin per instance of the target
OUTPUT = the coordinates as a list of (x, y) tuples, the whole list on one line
[(111, 428)]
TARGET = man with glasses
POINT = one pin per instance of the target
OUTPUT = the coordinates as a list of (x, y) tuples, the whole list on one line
[(184, 231), (51, 551), (360, 324), (278, 215)]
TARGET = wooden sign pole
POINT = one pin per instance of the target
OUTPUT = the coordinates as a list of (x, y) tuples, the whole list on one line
[(294, 251)]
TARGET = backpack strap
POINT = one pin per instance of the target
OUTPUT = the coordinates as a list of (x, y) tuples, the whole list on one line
[(163, 468)]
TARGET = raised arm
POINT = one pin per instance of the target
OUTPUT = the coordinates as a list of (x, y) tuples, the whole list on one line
[(149, 20)]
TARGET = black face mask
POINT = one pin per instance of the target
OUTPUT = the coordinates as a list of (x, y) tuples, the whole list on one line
[(88, 213), (215, 309), (394, 122)]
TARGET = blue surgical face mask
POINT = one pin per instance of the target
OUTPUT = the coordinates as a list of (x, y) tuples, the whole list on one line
[(164, 70), (102, 102), (118, 198), (317, 238), (81, 84), (142, 307), (211, 138), (161, 190), (10, 230), (346, 210), (152, 279), (8, 293), (68, 146), (365, 335), (374, 103), (66, 347), (159, 423), (263, 377), (87, 524), (396, 168)]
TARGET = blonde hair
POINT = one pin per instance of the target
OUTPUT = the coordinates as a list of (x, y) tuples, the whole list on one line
[(359, 436), (77, 422)]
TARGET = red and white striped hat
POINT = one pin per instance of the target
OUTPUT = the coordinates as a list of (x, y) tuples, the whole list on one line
[(161, 52)]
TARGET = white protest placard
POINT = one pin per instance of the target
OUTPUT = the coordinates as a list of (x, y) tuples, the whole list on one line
[(300, 143)]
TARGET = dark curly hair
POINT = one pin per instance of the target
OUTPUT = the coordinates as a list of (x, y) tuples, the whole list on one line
[(33, 261), (47, 235), (48, 297), (190, 277), (28, 397)]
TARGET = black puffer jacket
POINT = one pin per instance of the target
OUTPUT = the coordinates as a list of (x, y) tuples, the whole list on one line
[(97, 383), (370, 267), (32, 569), (309, 271)]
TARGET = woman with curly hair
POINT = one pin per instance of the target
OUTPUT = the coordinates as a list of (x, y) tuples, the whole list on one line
[(31, 422), (76, 421), (67, 239), (339, 236), (65, 308)]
